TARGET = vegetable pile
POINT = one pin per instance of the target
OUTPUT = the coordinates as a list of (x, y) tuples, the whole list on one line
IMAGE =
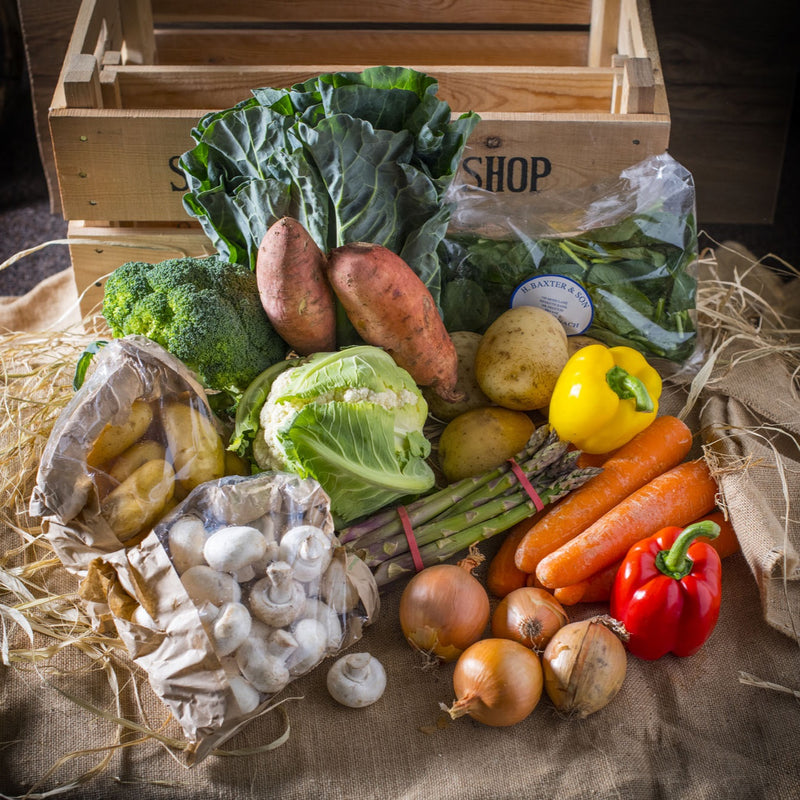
[(367, 352)]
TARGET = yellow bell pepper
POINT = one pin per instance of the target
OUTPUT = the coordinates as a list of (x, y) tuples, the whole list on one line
[(603, 397)]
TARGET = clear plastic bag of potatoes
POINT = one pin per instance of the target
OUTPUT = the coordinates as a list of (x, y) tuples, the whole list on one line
[(136, 438)]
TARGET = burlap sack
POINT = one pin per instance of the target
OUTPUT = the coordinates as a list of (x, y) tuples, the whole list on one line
[(749, 416), (683, 729)]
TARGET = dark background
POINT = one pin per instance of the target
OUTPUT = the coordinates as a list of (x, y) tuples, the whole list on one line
[(730, 71)]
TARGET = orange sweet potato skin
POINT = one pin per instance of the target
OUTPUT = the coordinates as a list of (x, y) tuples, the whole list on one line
[(294, 291), (390, 307)]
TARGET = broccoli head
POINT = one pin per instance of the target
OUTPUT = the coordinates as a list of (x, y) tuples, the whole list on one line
[(204, 311)]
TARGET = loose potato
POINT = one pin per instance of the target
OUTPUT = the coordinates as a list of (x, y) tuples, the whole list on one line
[(520, 358), (137, 454), (575, 343), (482, 439), (194, 446), (140, 500), (466, 344), (115, 438)]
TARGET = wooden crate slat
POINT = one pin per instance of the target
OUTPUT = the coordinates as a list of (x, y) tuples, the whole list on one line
[(491, 89), (148, 185), (400, 48), (513, 12)]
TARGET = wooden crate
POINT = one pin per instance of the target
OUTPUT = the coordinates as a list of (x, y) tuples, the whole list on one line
[(567, 91)]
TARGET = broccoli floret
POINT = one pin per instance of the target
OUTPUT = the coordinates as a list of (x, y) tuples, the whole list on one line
[(204, 311)]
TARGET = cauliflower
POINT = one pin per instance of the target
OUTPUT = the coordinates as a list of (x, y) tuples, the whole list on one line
[(204, 311)]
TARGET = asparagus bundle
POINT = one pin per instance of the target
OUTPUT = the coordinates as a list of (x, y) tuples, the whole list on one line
[(467, 511)]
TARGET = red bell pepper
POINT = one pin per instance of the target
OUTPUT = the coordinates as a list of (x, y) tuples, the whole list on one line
[(667, 591)]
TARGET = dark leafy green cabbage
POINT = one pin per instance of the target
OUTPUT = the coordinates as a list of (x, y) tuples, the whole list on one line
[(353, 156)]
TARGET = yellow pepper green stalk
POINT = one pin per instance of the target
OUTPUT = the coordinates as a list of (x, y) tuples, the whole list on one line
[(603, 397)]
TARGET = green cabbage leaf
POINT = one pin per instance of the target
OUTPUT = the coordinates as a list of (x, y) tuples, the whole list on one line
[(352, 420)]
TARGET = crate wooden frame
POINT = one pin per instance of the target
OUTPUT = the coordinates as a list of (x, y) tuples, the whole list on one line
[(578, 79)]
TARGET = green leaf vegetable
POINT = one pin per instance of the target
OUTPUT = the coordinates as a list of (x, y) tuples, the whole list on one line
[(204, 311), (352, 420), (353, 156), (637, 273)]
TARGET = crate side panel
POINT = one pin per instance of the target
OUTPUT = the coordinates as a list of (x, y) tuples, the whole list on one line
[(240, 47), (119, 165), (519, 156), (527, 151), (516, 12), (490, 89)]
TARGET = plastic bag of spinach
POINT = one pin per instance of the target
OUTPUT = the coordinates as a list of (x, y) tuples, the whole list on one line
[(630, 242), (353, 156)]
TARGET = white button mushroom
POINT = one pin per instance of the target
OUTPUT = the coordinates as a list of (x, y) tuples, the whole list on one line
[(356, 680), (230, 628), (312, 639), (281, 643), (308, 549), (316, 608), (206, 585), (278, 598), (264, 671), (246, 696), (233, 548), (186, 539)]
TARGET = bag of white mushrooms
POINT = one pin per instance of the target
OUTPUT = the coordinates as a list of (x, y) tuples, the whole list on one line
[(224, 588)]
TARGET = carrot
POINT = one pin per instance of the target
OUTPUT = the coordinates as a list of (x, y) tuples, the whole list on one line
[(294, 289), (503, 575), (390, 307), (676, 497), (594, 589), (727, 543), (659, 447)]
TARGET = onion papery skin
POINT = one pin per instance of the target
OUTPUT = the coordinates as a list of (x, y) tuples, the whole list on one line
[(443, 610), (584, 667), (497, 682), (529, 616)]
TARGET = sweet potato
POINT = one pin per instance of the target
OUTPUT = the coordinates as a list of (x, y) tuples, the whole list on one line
[(294, 290), (390, 307)]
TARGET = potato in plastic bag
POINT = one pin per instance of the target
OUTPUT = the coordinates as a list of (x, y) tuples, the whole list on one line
[(135, 439)]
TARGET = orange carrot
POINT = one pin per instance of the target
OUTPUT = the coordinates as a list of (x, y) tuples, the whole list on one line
[(594, 589), (503, 575), (676, 497), (659, 447), (727, 543)]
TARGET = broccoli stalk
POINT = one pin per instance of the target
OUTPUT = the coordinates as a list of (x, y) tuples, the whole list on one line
[(204, 311)]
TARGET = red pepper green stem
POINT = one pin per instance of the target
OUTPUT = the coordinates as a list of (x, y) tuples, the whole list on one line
[(675, 562), (625, 385)]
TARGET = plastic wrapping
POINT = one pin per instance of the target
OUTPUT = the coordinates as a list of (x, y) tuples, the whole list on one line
[(615, 260), (234, 586)]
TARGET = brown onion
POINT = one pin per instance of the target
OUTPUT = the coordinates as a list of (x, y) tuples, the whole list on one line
[(584, 665), (529, 616), (443, 610), (497, 682)]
